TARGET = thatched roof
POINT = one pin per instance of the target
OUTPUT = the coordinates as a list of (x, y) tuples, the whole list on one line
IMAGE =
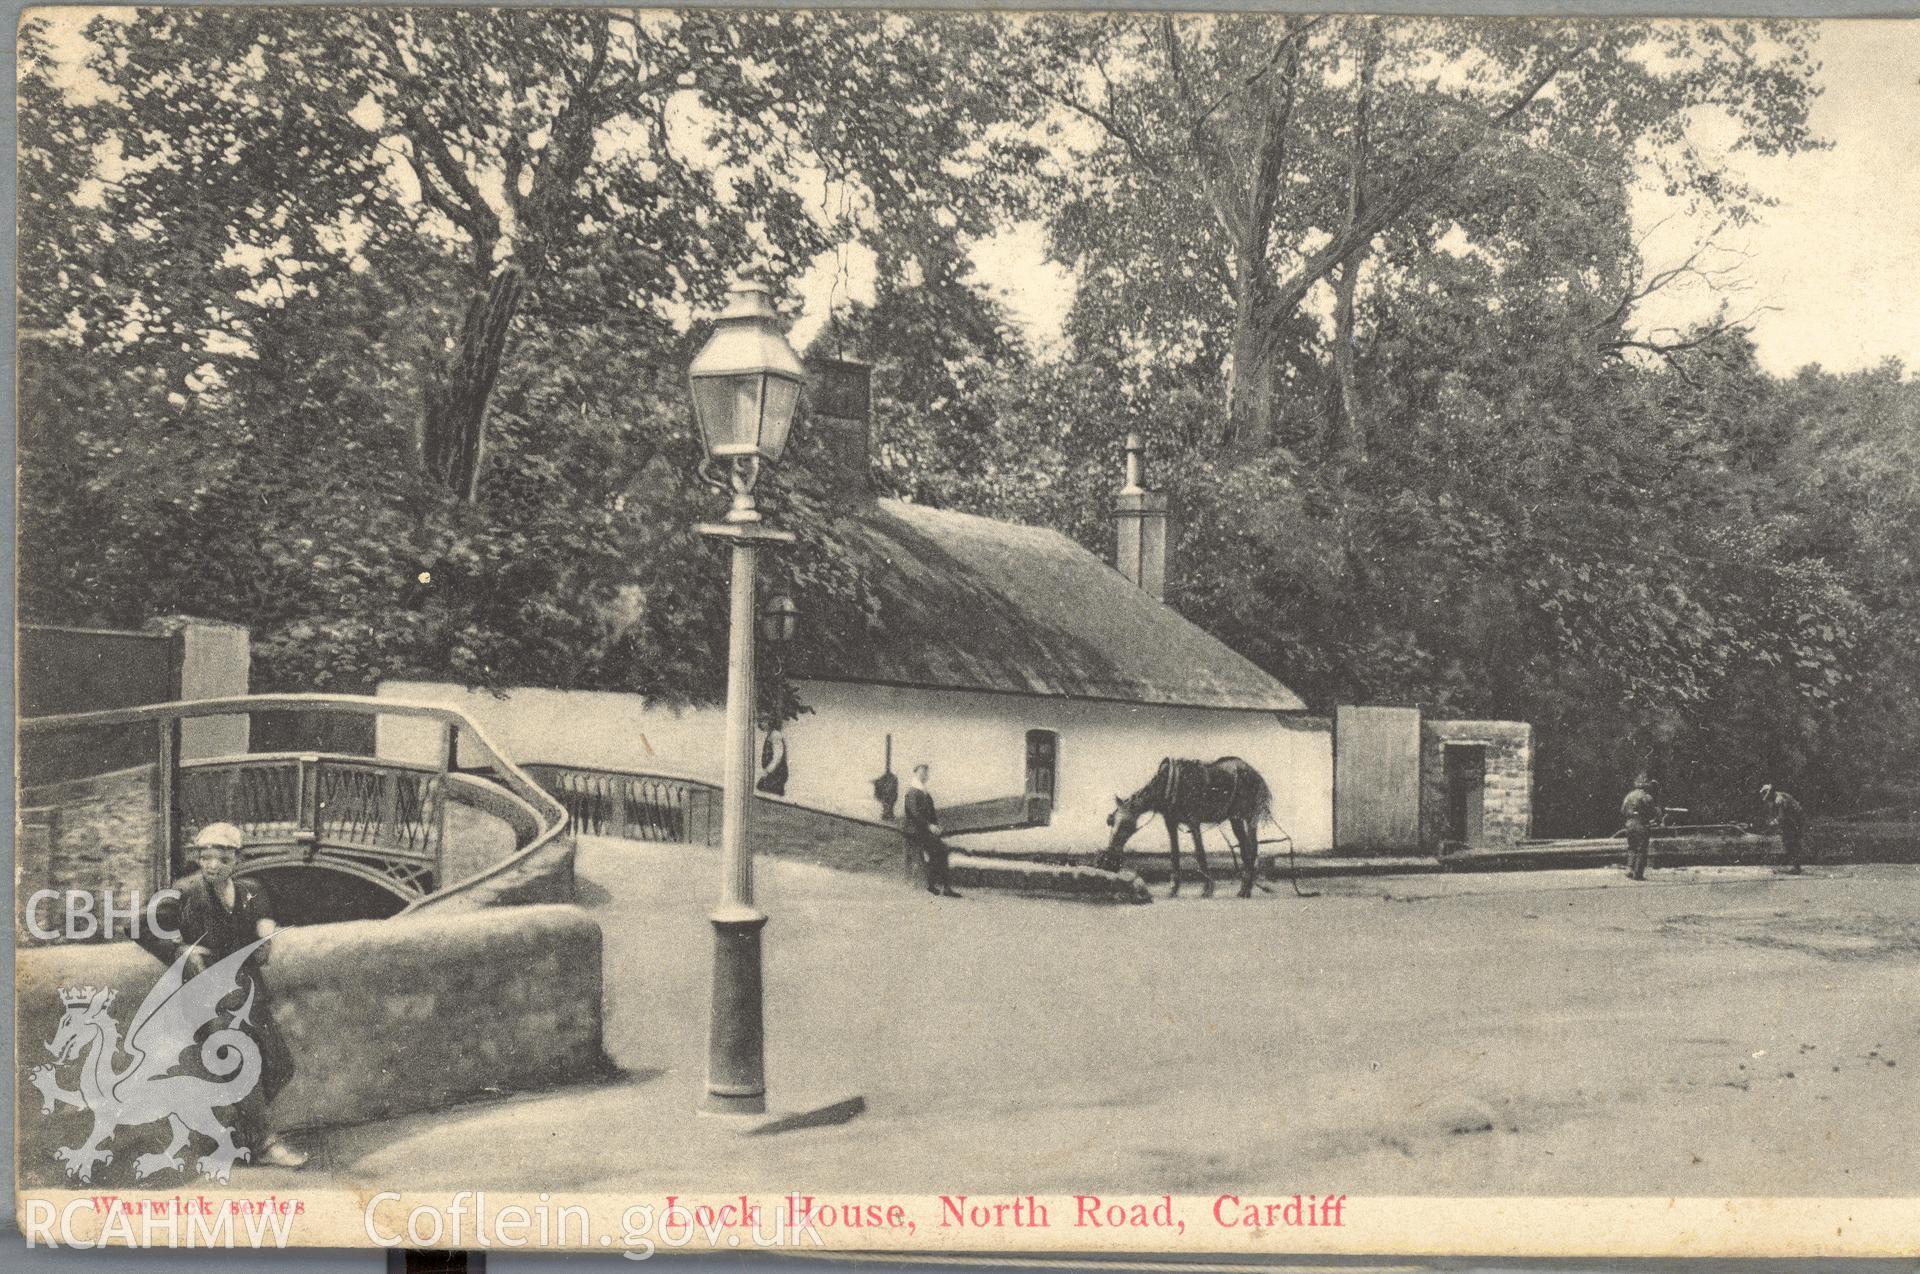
[(975, 604)]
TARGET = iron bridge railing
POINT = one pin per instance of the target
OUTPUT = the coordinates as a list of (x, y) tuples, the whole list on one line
[(633, 806), (383, 819)]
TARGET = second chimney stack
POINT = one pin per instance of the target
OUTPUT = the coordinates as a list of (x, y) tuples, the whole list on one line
[(1140, 549), (843, 420)]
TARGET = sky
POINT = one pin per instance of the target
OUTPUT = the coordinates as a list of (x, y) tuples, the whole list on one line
[(1836, 263), (1840, 253)]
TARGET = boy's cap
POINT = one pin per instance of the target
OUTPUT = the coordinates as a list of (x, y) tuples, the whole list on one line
[(219, 836)]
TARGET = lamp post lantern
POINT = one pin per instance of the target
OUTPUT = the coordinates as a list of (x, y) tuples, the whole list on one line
[(779, 621), (745, 386)]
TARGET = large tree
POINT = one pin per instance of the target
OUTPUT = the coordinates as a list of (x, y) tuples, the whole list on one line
[(1235, 164), (566, 164), (368, 327)]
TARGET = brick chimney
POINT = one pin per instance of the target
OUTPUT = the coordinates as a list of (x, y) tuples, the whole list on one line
[(842, 422), (1140, 550)]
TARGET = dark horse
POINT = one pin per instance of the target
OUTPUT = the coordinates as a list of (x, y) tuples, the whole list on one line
[(1191, 794)]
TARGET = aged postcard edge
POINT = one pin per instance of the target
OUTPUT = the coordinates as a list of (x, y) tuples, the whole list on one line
[(1780, 1227), (1377, 1226)]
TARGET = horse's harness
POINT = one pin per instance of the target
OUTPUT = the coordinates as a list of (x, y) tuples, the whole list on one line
[(1176, 782)]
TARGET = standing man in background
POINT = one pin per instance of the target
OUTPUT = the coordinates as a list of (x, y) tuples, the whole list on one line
[(1778, 809), (773, 763), (1642, 811), (920, 823)]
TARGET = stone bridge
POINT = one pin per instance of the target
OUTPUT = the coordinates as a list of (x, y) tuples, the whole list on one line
[(367, 836), (473, 996)]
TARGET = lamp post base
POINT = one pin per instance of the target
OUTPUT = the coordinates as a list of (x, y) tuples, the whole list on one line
[(736, 1074), (733, 1106)]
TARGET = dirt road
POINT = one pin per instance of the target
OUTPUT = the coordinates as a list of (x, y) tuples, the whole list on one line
[(1712, 1032)]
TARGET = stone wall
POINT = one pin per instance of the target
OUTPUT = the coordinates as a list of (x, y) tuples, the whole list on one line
[(93, 834), (382, 1017), (215, 662), (1506, 793)]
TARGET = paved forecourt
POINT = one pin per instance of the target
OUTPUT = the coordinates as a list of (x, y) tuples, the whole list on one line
[(1715, 1031)]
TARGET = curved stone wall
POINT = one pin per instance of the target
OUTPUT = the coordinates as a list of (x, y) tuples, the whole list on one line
[(382, 1017)]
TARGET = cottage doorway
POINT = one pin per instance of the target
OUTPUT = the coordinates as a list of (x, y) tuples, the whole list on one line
[(1043, 764), (1466, 771)]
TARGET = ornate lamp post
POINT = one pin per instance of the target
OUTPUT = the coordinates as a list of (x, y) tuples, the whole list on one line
[(746, 385)]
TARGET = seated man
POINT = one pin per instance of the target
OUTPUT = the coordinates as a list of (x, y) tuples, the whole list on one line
[(216, 915)]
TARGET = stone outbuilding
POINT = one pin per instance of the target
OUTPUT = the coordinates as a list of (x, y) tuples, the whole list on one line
[(1406, 782)]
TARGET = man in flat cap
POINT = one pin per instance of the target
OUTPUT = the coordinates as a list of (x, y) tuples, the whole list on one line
[(1641, 809)]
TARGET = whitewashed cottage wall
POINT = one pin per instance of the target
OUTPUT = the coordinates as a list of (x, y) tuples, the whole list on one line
[(975, 742)]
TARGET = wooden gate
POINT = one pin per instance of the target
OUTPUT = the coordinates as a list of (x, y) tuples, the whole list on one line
[(1376, 779)]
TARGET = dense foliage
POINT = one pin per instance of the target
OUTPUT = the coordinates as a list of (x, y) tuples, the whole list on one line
[(367, 328)]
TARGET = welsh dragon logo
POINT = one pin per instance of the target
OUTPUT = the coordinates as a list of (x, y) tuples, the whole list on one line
[(147, 1089)]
